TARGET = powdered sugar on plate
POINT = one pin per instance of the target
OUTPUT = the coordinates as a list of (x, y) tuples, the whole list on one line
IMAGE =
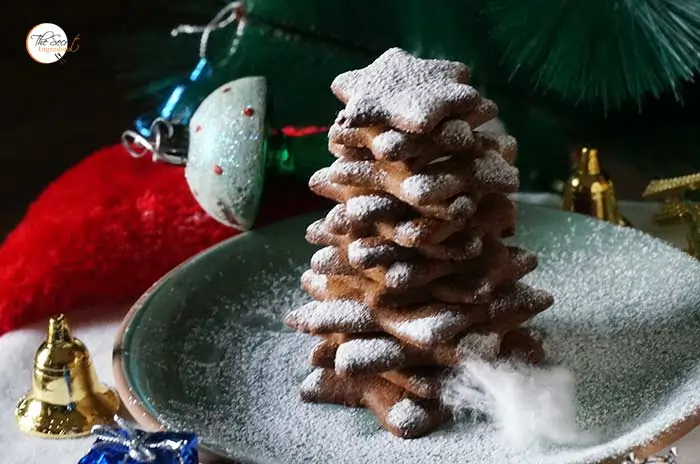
[(625, 321)]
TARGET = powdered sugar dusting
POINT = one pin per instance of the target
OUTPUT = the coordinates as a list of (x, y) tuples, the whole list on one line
[(478, 345), (520, 296), (338, 220), (214, 357), (394, 145), (428, 330), (312, 382), (424, 383), (455, 134), (522, 258), (407, 231), (389, 142), (315, 282), (399, 274), (326, 258), (421, 187), (493, 171), (403, 91), (406, 415), (360, 173), (462, 206), (319, 177), (381, 354), (364, 207), (332, 316), (359, 252)]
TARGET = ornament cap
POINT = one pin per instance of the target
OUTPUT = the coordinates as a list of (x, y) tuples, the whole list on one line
[(66, 399), (59, 330), (589, 161), (166, 142), (589, 191)]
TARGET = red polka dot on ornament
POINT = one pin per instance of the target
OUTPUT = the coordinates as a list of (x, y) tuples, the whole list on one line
[(198, 128), (217, 170), (227, 89), (248, 111)]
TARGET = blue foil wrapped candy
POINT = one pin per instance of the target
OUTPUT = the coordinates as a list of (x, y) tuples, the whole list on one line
[(124, 444)]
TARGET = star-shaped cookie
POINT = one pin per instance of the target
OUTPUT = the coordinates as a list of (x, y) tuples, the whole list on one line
[(415, 369), (407, 93)]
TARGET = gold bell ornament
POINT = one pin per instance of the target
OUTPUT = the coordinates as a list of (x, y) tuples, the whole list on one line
[(675, 208), (589, 191), (66, 399)]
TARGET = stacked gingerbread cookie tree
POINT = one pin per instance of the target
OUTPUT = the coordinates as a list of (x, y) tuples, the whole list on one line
[(413, 277)]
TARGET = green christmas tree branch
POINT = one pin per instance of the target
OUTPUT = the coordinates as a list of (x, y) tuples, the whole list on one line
[(600, 51)]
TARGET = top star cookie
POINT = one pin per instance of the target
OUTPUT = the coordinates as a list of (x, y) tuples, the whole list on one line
[(404, 92)]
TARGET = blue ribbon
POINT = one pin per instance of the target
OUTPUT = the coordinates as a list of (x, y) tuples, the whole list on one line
[(139, 446)]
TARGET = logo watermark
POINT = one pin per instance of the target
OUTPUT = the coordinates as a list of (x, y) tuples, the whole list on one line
[(48, 43)]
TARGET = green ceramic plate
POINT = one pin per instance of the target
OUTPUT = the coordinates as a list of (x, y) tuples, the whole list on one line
[(205, 350)]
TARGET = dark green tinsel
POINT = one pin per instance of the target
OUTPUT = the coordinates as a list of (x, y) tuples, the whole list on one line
[(607, 51), (604, 52)]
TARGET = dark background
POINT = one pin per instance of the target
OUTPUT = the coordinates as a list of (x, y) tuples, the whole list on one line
[(60, 113), (57, 114)]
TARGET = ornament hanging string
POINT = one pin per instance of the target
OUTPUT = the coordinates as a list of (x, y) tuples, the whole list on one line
[(161, 138), (229, 14), (161, 131)]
